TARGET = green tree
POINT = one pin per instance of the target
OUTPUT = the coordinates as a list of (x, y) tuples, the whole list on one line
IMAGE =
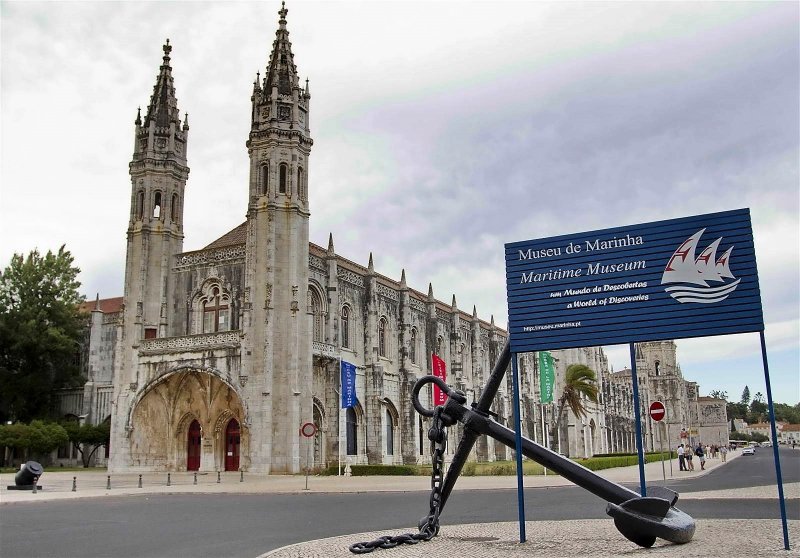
[(579, 381), (36, 439), (719, 394), (746, 395), (88, 438), (41, 330), (787, 413)]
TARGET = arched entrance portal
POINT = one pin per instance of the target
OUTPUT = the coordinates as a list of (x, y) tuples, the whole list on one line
[(181, 423), (232, 446), (193, 448)]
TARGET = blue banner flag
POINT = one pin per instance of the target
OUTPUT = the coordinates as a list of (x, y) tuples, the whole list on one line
[(348, 385)]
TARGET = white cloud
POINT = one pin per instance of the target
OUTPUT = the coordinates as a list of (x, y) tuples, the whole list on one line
[(442, 129)]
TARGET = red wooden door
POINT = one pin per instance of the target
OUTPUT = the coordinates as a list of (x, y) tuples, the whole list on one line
[(193, 447), (232, 446)]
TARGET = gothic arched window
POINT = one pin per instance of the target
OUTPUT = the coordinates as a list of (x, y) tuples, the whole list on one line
[(263, 179), (352, 431), (413, 343), (139, 205), (382, 337), (316, 310), (283, 173), (300, 189), (215, 312), (345, 327), (157, 205), (174, 208)]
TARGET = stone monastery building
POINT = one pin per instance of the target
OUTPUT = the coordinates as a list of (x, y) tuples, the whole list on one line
[(213, 359)]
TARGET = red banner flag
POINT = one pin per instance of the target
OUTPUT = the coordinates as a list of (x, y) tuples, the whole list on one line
[(440, 371)]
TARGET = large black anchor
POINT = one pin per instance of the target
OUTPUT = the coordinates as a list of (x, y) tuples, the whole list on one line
[(640, 519)]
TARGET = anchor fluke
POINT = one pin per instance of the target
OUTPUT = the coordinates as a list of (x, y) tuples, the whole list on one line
[(642, 520)]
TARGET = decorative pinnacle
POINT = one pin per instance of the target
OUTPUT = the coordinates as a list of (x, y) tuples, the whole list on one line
[(282, 12), (138, 121), (167, 49)]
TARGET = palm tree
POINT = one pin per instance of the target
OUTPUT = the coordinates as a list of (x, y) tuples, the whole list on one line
[(579, 380)]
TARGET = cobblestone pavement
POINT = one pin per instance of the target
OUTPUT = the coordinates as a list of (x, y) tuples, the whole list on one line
[(596, 538)]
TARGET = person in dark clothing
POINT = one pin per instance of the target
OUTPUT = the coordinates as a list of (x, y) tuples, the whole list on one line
[(699, 452)]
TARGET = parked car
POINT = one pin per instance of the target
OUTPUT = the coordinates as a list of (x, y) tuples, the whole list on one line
[(749, 450)]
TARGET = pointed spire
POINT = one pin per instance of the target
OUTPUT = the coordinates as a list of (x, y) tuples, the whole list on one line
[(474, 312), (185, 120), (281, 71), (138, 121), (371, 266), (403, 279), (430, 292), (307, 92), (330, 244), (492, 321), (453, 305), (163, 107), (97, 303)]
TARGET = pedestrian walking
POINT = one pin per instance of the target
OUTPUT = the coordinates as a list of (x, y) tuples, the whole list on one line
[(723, 452), (700, 452), (687, 455), (681, 458)]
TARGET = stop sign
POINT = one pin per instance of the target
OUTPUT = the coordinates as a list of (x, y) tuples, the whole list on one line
[(657, 410)]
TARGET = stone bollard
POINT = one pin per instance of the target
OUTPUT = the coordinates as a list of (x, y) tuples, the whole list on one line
[(35, 482), (241, 475), (195, 478), (168, 480), (74, 484), (348, 471), (218, 477), (108, 484), (140, 481)]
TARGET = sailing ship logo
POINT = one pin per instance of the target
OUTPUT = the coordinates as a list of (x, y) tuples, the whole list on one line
[(693, 275)]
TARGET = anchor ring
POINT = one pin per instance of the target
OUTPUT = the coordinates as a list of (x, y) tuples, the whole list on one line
[(454, 393)]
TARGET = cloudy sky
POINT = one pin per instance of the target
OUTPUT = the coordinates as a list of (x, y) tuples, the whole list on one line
[(442, 130)]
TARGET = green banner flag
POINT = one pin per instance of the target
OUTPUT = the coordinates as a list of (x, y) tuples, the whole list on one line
[(547, 376)]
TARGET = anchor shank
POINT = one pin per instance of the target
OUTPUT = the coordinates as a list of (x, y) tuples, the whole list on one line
[(574, 472)]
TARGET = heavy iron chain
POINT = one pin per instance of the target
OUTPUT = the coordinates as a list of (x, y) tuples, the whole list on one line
[(429, 526)]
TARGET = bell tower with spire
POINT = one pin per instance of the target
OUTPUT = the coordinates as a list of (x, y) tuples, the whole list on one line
[(276, 346), (158, 172)]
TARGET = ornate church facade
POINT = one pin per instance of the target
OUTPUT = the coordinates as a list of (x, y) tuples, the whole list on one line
[(213, 359)]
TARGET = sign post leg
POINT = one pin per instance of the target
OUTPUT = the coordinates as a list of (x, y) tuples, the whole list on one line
[(518, 448), (637, 413), (775, 448)]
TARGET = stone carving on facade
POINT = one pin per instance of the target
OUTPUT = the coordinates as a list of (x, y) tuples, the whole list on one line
[(388, 293), (350, 277), (222, 339), (227, 255), (316, 263)]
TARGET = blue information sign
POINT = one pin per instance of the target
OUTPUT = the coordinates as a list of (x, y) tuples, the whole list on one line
[(689, 277)]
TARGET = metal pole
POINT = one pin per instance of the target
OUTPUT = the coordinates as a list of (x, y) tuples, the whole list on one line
[(661, 444), (638, 416), (669, 441), (518, 449), (774, 430), (308, 459), (545, 435)]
